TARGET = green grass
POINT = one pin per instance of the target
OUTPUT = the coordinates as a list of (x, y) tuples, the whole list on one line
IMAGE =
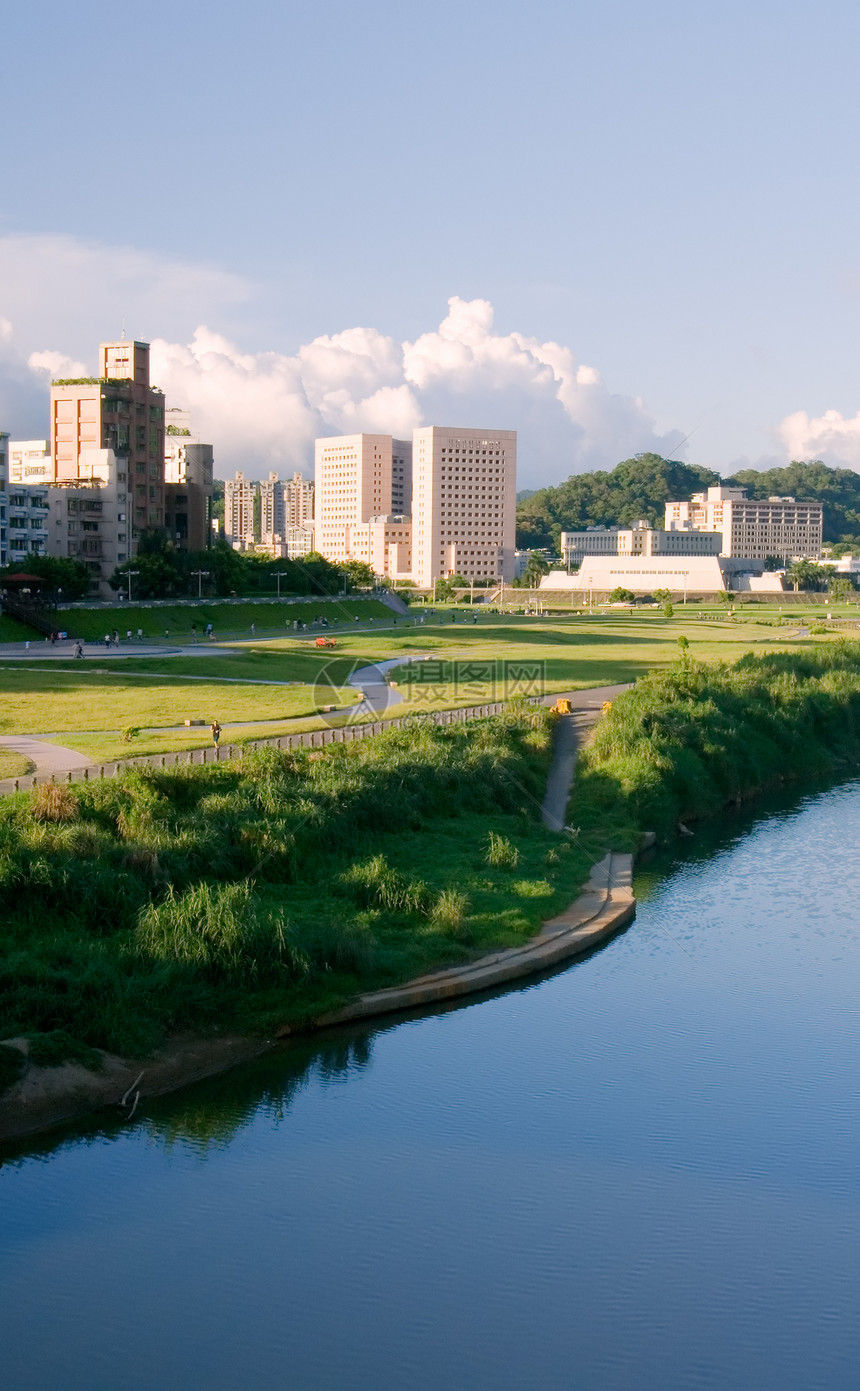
[(684, 743), (13, 631), (229, 620), (268, 889), (14, 765)]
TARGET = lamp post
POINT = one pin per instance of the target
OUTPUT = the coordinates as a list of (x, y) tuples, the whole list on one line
[(280, 575), (201, 576), (128, 575)]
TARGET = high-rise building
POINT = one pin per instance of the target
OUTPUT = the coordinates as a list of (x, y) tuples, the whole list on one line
[(88, 518), (284, 504), (352, 483), (117, 411), (463, 503), (401, 477), (239, 496), (752, 530)]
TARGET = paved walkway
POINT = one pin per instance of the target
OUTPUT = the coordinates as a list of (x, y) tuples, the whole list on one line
[(586, 708), (48, 758)]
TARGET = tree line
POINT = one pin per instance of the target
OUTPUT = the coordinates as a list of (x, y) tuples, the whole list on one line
[(161, 571), (640, 487)]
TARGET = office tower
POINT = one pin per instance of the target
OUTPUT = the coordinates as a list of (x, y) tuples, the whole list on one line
[(117, 411), (352, 483), (752, 530), (463, 503), (240, 494)]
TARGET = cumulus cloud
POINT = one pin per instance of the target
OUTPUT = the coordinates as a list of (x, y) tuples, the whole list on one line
[(832, 437), (263, 410)]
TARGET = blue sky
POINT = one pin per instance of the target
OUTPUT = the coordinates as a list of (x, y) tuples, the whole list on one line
[(669, 192)]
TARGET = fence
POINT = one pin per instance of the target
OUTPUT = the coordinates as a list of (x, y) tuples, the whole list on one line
[(310, 739)]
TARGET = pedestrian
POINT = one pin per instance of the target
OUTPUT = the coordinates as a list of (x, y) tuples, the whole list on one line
[(115, 638), (216, 732), (211, 633), (140, 635), (79, 649), (107, 639), (167, 633), (253, 630), (193, 632), (208, 630), (128, 634)]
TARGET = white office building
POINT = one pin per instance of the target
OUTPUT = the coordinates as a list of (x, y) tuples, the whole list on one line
[(463, 503), (752, 530)]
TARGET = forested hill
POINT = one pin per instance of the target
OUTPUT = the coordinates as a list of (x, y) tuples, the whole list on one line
[(640, 487)]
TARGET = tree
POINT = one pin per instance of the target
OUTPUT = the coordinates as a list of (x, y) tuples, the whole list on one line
[(446, 587), (840, 587), (622, 596), (59, 573), (357, 574), (805, 574), (536, 568), (663, 596), (636, 488), (773, 562)]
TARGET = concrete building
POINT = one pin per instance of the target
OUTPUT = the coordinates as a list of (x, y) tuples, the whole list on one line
[(27, 523), (188, 481), (780, 526), (463, 503), (118, 411), (298, 541), (680, 538), (352, 483), (284, 504), (239, 497), (682, 575), (385, 544), (30, 462), (4, 461), (401, 478), (88, 518)]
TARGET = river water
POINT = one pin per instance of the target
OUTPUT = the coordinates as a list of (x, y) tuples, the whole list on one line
[(642, 1172)]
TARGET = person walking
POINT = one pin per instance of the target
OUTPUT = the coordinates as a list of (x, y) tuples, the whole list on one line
[(115, 638), (216, 732), (79, 648), (140, 635), (253, 630), (107, 640), (128, 634)]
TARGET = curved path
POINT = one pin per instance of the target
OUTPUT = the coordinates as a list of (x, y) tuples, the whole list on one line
[(47, 758)]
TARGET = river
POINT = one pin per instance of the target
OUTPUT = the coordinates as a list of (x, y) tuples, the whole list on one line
[(640, 1173)]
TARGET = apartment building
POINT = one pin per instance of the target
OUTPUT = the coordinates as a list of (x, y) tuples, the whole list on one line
[(239, 496), (680, 538), (352, 483), (778, 526), (118, 411), (88, 518), (284, 504), (26, 524), (4, 459), (463, 503)]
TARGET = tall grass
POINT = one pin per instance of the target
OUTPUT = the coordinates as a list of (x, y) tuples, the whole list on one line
[(686, 742), (163, 899)]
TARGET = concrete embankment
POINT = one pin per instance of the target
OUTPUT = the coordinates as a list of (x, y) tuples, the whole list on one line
[(46, 1097)]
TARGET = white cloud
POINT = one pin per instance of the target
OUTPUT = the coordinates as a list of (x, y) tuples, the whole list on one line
[(262, 410), (832, 437)]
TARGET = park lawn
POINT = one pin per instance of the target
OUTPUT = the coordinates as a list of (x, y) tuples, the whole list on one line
[(14, 765), (13, 631), (108, 746), (228, 619), (91, 698)]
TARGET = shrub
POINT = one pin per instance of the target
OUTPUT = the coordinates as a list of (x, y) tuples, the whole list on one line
[(52, 801), (375, 884), (130, 732), (57, 1047), (501, 853)]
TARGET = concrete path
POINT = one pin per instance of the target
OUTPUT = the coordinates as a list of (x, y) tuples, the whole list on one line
[(48, 758), (586, 708), (378, 695)]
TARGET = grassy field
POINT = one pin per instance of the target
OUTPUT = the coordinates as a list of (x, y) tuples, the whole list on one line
[(14, 765), (228, 620), (500, 655), (13, 631)]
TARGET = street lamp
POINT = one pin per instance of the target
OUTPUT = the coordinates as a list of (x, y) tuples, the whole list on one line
[(201, 576), (280, 575), (128, 575)]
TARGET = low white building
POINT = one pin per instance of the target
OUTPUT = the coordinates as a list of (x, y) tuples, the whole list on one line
[(27, 524), (682, 575), (678, 538)]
